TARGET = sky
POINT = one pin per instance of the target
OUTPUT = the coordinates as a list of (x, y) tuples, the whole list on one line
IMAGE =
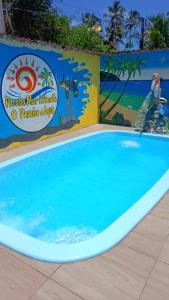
[(146, 7)]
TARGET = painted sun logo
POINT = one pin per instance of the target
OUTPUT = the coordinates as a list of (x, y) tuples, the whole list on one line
[(28, 78), (23, 76), (28, 74)]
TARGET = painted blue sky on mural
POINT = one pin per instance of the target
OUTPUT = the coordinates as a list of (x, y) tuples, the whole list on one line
[(156, 59), (153, 61)]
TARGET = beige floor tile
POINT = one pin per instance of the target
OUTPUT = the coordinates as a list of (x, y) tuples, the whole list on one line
[(123, 278), (161, 212), (101, 277), (53, 291), (162, 209), (153, 227), (164, 201), (45, 268), (143, 244), (18, 281), (157, 287), (164, 255), (137, 263)]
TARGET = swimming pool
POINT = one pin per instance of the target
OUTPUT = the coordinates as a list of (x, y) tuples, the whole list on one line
[(76, 199)]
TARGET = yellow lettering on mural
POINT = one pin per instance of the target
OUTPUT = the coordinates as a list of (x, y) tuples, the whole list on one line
[(28, 101), (45, 100), (19, 102), (8, 102), (35, 113), (14, 103), (27, 114), (21, 113), (47, 111), (13, 115), (31, 101)]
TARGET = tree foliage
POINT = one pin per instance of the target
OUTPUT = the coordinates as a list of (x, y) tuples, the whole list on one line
[(27, 16), (131, 28), (38, 20), (41, 20), (115, 28), (157, 33), (83, 38), (35, 19), (90, 20)]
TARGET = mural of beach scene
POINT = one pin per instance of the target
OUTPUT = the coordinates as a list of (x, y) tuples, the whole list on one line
[(125, 84)]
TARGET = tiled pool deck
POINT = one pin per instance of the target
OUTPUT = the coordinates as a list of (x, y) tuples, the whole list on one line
[(137, 268)]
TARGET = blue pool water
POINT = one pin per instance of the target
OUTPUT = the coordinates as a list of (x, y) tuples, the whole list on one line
[(73, 192), (78, 198)]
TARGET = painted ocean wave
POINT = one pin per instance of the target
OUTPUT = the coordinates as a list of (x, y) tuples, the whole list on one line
[(41, 92)]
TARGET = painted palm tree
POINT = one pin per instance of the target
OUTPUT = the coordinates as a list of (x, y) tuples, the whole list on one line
[(109, 67), (121, 67), (132, 21), (133, 67), (47, 78), (115, 16)]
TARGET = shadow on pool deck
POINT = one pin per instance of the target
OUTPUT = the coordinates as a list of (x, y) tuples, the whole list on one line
[(137, 268)]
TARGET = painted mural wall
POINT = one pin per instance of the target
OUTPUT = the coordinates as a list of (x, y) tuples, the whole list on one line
[(45, 92), (134, 90)]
